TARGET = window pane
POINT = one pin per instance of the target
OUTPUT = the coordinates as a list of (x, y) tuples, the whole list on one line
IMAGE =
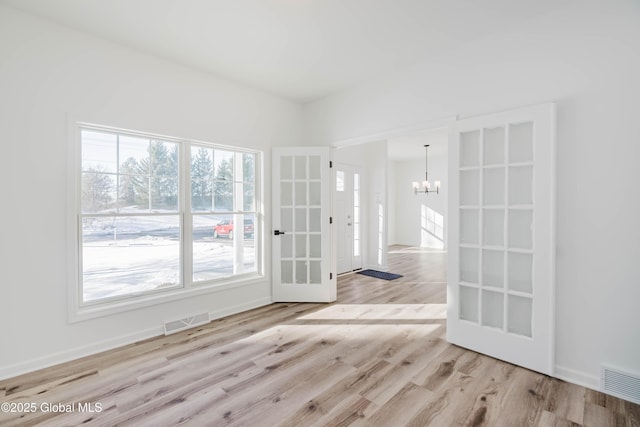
[(201, 195), (214, 240), (164, 194), (223, 165), (99, 151), (98, 192), (223, 196), (339, 181), (163, 159), (248, 196), (133, 152), (248, 167), (129, 255), (201, 179)]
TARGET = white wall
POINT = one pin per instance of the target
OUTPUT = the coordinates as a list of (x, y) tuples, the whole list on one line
[(48, 72), (409, 206), (585, 58)]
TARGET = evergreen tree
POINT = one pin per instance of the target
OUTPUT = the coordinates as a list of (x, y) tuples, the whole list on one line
[(201, 175), (161, 166), (223, 192)]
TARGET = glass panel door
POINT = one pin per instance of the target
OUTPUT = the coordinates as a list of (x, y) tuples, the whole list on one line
[(501, 261), (301, 228)]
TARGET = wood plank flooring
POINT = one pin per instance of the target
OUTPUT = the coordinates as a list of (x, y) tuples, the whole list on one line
[(377, 357)]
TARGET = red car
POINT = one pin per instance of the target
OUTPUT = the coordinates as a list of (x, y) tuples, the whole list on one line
[(225, 229)]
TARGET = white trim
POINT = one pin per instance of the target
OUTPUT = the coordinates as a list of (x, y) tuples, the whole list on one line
[(149, 299), (577, 377), (389, 133), (98, 347)]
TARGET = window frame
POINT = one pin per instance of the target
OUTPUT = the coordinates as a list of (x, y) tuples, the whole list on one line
[(78, 309)]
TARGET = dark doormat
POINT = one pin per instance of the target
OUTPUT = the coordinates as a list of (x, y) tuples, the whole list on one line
[(380, 274)]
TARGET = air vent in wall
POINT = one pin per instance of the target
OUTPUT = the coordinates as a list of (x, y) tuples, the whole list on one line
[(620, 384), (173, 326)]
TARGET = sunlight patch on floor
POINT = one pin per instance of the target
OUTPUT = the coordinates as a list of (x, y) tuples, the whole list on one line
[(380, 312)]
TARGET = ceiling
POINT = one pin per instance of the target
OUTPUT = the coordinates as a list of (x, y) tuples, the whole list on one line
[(302, 50), (410, 146)]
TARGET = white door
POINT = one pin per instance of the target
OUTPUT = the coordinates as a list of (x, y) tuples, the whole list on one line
[(501, 281), (347, 218), (302, 234)]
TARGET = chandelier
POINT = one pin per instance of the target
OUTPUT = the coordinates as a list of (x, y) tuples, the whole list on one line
[(426, 185)]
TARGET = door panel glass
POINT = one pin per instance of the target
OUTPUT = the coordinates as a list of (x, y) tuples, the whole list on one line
[(493, 227), (301, 272), (492, 309), (521, 142), (470, 148), (301, 167), (520, 229), (286, 271), (286, 219), (493, 268), (301, 194), (286, 194), (521, 185), (315, 221), (301, 245), (315, 193), (301, 220), (286, 167), (315, 272), (315, 245), (468, 303), (519, 315), (493, 146), (469, 188), (493, 186), (469, 230), (519, 269), (314, 167), (469, 265), (286, 250)]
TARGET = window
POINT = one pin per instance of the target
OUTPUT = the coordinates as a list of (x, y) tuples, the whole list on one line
[(157, 214), (356, 214), (222, 194), (339, 180)]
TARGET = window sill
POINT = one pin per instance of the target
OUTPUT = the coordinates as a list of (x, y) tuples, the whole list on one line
[(80, 314)]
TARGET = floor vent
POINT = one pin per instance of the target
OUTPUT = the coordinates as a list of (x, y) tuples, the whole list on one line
[(620, 384), (174, 326)]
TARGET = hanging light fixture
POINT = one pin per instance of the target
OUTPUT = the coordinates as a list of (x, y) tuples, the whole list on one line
[(426, 185)]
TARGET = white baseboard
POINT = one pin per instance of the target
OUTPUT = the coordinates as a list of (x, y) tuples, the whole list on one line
[(109, 344), (577, 377)]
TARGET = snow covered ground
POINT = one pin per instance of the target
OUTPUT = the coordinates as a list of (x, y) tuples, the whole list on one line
[(128, 255)]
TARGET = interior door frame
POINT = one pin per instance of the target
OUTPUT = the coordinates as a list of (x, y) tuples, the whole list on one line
[(350, 171)]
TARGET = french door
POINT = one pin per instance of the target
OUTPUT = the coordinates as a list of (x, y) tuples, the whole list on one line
[(302, 234), (501, 280)]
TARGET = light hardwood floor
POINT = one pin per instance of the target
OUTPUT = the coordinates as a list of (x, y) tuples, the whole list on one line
[(377, 357)]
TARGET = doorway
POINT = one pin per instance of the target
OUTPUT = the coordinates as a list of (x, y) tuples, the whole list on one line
[(348, 217)]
